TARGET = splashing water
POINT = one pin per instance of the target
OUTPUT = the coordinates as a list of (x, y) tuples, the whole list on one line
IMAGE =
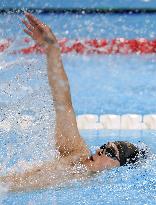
[(27, 112)]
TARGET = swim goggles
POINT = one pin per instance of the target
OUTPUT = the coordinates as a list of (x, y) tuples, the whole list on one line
[(109, 151)]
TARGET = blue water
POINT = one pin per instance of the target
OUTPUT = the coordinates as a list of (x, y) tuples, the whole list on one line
[(117, 84), (115, 187), (126, 84), (87, 26), (99, 84), (79, 4)]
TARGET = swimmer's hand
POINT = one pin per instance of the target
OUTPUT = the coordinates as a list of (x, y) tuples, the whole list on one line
[(38, 31)]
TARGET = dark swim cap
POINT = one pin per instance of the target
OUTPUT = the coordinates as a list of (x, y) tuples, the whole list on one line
[(128, 153)]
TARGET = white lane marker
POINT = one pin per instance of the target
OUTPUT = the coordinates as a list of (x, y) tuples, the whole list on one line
[(117, 122), (95, 122)]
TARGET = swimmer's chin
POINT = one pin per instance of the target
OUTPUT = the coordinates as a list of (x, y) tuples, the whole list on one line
[(89, 163)]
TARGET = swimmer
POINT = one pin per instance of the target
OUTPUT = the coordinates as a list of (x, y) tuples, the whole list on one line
[(74, 159)]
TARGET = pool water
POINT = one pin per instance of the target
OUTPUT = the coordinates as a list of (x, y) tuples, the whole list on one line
[(124, 185), (114, 84), (79, 4), (117, 84)]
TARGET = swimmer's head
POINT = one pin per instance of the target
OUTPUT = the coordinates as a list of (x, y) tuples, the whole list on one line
[(114, 154), (128, 153)]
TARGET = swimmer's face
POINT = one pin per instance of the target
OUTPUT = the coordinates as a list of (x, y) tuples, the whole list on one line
[(106, 157)]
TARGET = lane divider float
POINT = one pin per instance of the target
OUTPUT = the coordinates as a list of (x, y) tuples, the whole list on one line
[(94, 122), (88, 46), (117, 122)]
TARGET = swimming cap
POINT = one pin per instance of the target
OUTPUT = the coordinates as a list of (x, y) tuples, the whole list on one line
[(128, 153)]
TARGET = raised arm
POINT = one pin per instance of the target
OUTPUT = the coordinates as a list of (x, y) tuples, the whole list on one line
[(68, 140)]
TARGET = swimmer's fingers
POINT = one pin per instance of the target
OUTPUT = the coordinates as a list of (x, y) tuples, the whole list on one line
[(29, 27), (41, 33), (35, 22), (29, 33)]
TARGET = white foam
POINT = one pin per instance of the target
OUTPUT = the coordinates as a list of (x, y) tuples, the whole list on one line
[(5, 125), (8, 65), (25, 122)]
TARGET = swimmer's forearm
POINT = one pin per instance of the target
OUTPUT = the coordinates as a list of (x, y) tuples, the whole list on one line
[(66, 125), (57, 77)]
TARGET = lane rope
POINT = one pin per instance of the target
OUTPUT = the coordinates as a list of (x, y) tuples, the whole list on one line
[(117, 122), (95, 122), (88, 46), (80, 11)]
